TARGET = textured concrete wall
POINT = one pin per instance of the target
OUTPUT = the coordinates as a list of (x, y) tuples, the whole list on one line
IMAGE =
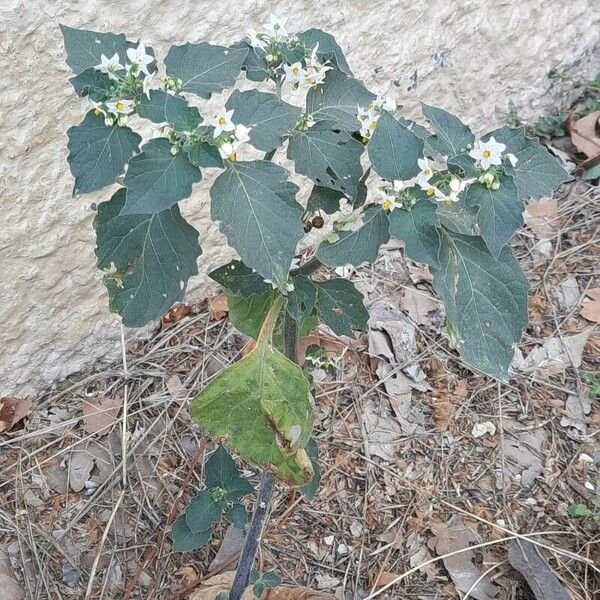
[(471, 56)]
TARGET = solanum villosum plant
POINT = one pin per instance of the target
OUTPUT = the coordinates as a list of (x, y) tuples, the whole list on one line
[(454, 199)]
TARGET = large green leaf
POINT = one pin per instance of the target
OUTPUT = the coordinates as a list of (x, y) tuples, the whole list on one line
[(270, 118), (155, 179), (148, 259), (262, 407), (85, 48), (418, 229), (222, 473), (537, 173), (302, 299), (356, 247), (338, 100), (92, 83), (328, 50), (98, 154), (257, 210), (340, 306), (329, 156), (452, 136), (248, 314), (240, 280), (500, 212), (485, 299), (394, 149), (255, 64), (325, 199), (163, 107), (202, 512), (459, 217), (203, 68), (184, 540)]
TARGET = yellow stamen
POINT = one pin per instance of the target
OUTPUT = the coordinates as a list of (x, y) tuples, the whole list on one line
[(372, 124), (387, 204), (365, 140), (98, 112), (222, 121), (486, 154), (448, 203), (233, 157), (295, 71), (120, 106), (430, 192)]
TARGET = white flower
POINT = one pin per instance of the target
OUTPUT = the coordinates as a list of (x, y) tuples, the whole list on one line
[(459, 185), (512, 159), (399, 185), (429, 189), (222, 122), (488, 153), (276, 28), (387, 201), (146, 84), (139, 57), (426, 172), (97, 107), (255, 40), (369, 122), (447, 198), (383, 103), (241, 133), (120, 107), (229, 149), (109, 65), (294, 73)]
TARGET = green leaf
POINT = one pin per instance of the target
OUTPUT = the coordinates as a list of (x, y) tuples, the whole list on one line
[(578, 510), (148, 259), (205, 69), (155, 179), (255, 64), (418, 229), (259, 588), (537, 173), (222, 472), (85, 48), (591, 173), (271, 579), (203, 155), (329, 49), (93, 84), (463, 165), (270, 118), (302, 299), (258, 213), (186, 541), (357, 247), (394, 149), (202, 512), (500, 212), (262, 407), (452, 135), (340, 306), (238, 516), (328, 156), (337, 100), (247, 314), (325, 199), (485, 299), (240, 280), (459, 218), (163, 107), (98, 154), (309, 491)]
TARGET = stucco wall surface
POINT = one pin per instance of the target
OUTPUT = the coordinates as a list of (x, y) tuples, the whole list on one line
[(469, 56)]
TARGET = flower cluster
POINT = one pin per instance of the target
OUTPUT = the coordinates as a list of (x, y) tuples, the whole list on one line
[(369, 116), (488, 156), (311, 74), (228, 136), (128, 81)]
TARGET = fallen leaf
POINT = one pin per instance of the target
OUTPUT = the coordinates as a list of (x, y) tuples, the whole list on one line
[(382, 431), (544, 584), (384, 578), (282, 593), (584, 134), (568, 293), (218, 307), (455, 535), (331, 344), (10, 588), (230, 547), (100, 413), (522, 450), (542, 217), (576, 409), (418, 304), (80, 469), (13, 410), (175, 314), (590, 309)]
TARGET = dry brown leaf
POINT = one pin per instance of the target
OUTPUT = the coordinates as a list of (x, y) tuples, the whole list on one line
[(542, 217), (175, 314), (331, 344), (100, 413), (418, 304), (13, 410), (282, 593), (218, 307), (590, 309), (584, 134), (384, 578)]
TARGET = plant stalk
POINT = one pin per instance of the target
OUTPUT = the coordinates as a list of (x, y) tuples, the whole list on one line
[(265, 489)]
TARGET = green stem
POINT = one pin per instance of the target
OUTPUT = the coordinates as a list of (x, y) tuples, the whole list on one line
[(268, 326)]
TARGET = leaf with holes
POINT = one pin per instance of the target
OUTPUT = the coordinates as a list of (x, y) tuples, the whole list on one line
[(258, 213), (394, 149), (328, 156), (338, 99), (328, 49), (155, 179), (163, 107), (452, 136), (500, 212), (94, 84), (418, 229), (485, 299), (98, 154), (269, 118), (340, 306), (356, 247), (240, 280), (537, 173), (302, 299), (147, 259), (325, 199), (203, 68)]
